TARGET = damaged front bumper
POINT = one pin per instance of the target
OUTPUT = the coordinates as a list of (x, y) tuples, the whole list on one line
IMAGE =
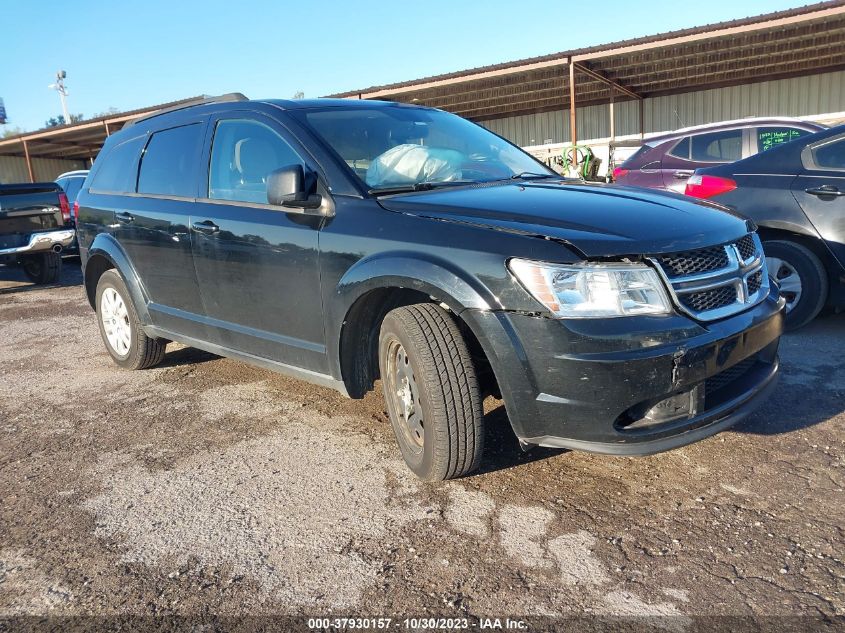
[(630, 386)]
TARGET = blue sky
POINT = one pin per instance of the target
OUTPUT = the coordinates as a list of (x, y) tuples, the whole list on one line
[(129, 55)]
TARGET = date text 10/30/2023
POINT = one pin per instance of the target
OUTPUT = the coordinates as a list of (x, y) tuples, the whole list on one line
[(445, 624)]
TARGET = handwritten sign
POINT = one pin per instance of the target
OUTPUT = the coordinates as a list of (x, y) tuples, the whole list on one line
[(767, 138)]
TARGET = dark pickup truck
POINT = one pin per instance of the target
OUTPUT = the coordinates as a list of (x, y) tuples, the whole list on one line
[(35, 226), (345, 241)]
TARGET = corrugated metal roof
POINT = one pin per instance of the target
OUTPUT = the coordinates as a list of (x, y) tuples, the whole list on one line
[(563, 56), (77, 140), (804, 40)]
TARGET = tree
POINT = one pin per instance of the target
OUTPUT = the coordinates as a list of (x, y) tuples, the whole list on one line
[(298, 95), (10, 130), (110, 111), (60, 120)]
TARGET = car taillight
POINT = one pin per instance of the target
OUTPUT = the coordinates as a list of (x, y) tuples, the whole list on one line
[(703, 186), (76, 210), (619, 173), (64, 205)]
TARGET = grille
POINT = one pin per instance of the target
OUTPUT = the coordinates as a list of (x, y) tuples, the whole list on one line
[(718, 281), (693, 262), (746, 247), (754, 282), (724, 378), (709, 299)]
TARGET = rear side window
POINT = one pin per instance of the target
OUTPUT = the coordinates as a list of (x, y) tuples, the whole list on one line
[(120, 167), (168, 165), (725, 146), (830, 155), (769, 137)]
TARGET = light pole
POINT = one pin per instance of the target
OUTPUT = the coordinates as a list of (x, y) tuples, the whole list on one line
[(59, 87)]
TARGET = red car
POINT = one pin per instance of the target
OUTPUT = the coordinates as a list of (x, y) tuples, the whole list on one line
[(668, 160)]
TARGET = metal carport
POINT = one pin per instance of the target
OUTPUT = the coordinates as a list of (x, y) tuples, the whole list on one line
[(81, 140), (795, 42)]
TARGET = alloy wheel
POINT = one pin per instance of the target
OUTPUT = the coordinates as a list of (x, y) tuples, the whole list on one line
[(115, 319), (788, 278)]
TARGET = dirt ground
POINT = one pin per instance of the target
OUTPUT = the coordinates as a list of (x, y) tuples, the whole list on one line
[(206, 486)]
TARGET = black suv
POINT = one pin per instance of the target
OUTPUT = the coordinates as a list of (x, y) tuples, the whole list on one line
[(343, 241)]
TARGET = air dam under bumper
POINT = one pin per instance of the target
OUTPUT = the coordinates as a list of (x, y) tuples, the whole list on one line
[(586, 384), (42, 242)]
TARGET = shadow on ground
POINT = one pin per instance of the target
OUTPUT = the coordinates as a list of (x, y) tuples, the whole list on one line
[(71, 276)]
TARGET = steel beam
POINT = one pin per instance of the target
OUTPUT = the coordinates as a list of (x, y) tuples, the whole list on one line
[(600, 76), (28, 161), (573, 132)]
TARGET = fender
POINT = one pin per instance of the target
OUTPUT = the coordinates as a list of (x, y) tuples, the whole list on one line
[(105, 245), (787, 225), (834, 265), (417, 271), (422, 272)]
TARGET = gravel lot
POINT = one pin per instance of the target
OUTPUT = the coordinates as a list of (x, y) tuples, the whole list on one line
[(208, 486)]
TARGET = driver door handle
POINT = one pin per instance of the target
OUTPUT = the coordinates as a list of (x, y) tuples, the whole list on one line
[(825, 190), (124, 218), (206, 226), (682, 173)]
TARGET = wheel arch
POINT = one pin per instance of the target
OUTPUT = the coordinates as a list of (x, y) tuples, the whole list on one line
[(105, 254), (794, 233), (369, 290)]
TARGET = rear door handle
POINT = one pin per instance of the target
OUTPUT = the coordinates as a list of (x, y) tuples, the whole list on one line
[(206, 226), (825, 190), (124, 218), (680, 174)]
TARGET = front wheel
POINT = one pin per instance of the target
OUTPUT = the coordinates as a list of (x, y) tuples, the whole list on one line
[(120, 327), (802, 279), (431, 391)]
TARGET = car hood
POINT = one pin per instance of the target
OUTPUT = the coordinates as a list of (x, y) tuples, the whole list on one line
[(598, 220)]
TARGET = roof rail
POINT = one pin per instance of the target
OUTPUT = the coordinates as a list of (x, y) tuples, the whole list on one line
[(232, 96)]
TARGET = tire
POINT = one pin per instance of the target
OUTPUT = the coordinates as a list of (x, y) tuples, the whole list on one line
[(124, 339), (443, 435), (804, 278), (44, 268)]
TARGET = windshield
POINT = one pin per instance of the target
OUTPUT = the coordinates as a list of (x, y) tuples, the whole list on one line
[(390, 147)]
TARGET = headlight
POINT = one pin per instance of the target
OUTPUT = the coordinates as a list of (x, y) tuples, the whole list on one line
[(593, 290)]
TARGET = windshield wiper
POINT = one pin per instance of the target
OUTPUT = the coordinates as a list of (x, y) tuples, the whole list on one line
[(416, 186), (530, 175)]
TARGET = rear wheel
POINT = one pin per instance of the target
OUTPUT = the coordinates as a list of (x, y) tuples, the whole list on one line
[(802, 279), (44, 268), (431, 391), (120, 328)]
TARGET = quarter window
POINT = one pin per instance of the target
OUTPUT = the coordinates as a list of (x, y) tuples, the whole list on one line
[(168, 165), (120, 167), (769, 137), (830, 155), (243, 154), (720, 147), (681, 149)]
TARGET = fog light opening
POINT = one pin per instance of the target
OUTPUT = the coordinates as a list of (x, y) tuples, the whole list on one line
[(680, 406)]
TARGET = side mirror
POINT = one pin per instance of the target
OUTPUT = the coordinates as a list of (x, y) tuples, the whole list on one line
[(291, 186)]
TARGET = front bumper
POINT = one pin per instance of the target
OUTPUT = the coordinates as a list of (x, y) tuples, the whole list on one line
[(583, 384), (41, 242)]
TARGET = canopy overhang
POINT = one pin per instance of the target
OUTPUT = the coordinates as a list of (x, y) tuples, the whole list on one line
[(806, 40), (75, 141)]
